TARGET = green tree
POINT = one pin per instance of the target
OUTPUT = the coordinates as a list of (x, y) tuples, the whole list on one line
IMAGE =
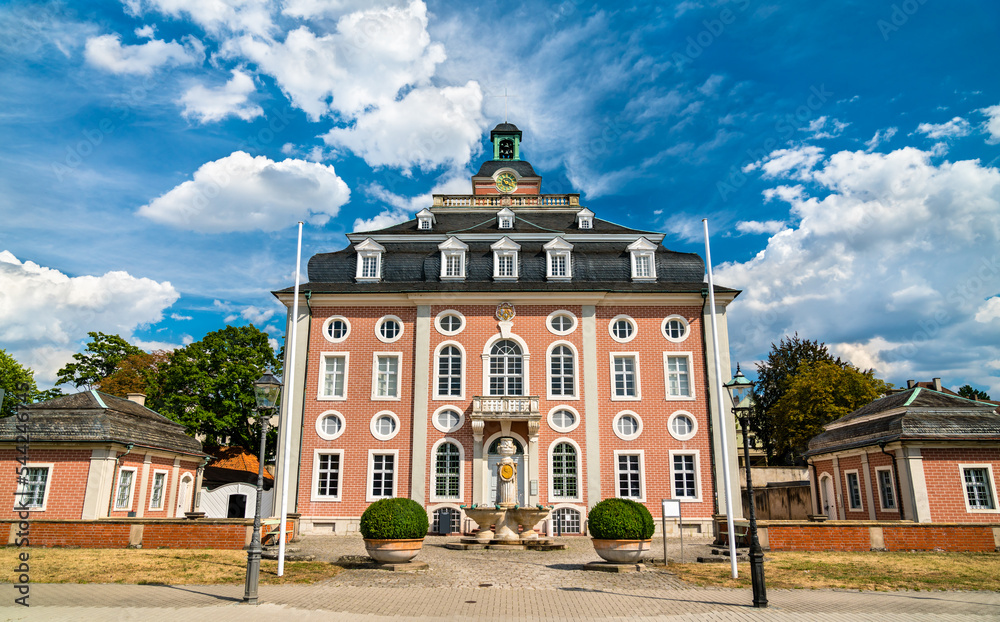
[(208, 386), (970, 393), (99, 360), (816, 394), (773, 378), (12, 375)]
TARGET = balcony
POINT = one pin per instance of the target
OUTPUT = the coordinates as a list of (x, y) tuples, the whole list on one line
[(498, 200), (498, 407)]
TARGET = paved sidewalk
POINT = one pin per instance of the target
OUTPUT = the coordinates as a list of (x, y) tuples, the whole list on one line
[(485, 585)]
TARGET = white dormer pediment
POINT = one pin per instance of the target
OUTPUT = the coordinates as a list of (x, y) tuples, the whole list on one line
[(585, 219), (642, 244), (369, 245), (453, 244), (505, 244), (557, 244), (425, 219), (505, 218)]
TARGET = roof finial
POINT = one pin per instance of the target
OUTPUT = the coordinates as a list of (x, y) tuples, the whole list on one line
[(506, 97)]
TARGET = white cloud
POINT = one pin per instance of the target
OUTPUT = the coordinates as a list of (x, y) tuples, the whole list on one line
[(400, 208), (180, 318), (757, 227), (244, 193), (798, 161), (214, 104), (146, 32), (332, 8), (45, 315), (881, 137), (955, 128), (427, 128), (989, 311), (818, 128), (108, 53), (889, 261), (256, 316), (253, 16), (992, 124)]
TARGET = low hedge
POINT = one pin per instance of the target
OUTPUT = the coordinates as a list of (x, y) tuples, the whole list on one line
[(394, 519), (620, 519)]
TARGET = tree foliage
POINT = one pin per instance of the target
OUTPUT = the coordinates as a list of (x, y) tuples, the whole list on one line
[(816, 394), (136, 373), (208, 386), (98, 361), (970, 393), (12, 375)]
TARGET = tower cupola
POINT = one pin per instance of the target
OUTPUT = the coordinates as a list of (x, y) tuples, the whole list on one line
[(506, 139)]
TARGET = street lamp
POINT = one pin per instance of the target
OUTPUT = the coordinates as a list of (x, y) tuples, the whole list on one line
[(266, 391), (741, 390)]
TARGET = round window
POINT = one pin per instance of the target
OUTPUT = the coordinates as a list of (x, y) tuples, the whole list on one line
[(384, 426), (675, 328), (330, 425), (563, 419), (448, 419), (451, 323), (336, 329), (389, 329), (682, 425), (622, 328), (627, 425)]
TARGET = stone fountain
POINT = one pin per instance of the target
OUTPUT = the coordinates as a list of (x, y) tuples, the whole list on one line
[(505, 513)]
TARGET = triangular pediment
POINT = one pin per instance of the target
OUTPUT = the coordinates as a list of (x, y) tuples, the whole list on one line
[(453, 244), (505, 244), (369, 245), (558, 244), (642, 244)]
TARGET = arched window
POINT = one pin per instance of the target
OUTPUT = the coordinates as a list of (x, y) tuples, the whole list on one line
[(447, 471), (506, 369), (561, 376), (564, 471), (449, 371), (566, 520)]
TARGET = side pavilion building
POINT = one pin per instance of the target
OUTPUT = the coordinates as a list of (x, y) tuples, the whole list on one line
[(504, 313)]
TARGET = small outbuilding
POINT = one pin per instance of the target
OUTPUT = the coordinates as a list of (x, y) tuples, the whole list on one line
[(920, 454)]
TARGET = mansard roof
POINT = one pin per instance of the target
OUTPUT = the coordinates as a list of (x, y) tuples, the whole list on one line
[(452, 221), (521, 167)]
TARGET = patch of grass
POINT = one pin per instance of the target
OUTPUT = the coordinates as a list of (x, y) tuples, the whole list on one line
[(858, 571), (154, 566)]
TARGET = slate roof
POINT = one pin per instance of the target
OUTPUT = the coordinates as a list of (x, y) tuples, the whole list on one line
[(96, 417), (522, 167), (913, 414), (448, 223)]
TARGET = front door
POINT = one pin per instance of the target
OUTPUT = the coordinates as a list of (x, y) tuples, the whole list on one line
[(182, 492), (827, 497)]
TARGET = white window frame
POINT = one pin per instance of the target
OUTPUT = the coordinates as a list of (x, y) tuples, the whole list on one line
[(992, 484), (326, 328), (563, 429), (314, 490), (694, 425), (642, 248), (319, 425), (425, 217), (399, 376), (579, 471), (585, 219), (622, 435), (675, 318), (440, 316), (575, 384), (163, 491), (505, 219), (505, 247), (50, 468), (453, 248), (525, 358), (438, 396), (371, 473), (638, 385), (433, 471), (386, 318), (626, 318), (371, 249), (697, 474), (847, 489), (131, 490), (322, 376), (443, 429), (374, 429), (641, 453), (558, 248), (690, 374), (565, 313), (892, 483)]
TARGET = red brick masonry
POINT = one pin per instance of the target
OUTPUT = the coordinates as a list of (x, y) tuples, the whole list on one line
[(232, 534), (872, 536)]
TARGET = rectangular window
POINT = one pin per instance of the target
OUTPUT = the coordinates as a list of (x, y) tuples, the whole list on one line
[(453, 265), (642, 266), (564, 471), (123, 496), (449, 372), (559, 265), (369, 266), (425, 224), (334, 379), (629, 476), (678, 376), (685, 477), (33, 483), (328, 475), (886, 488), (561, 375), (382, 476), (505, 265), (624, 379), (853, 490), (387, 376), (159, 485), (978, 489)]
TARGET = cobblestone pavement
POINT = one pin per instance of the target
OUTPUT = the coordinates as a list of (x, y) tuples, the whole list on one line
[(487, 585)]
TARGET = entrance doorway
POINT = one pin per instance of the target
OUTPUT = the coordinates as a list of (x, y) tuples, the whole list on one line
[(493, 459), (827, 498)]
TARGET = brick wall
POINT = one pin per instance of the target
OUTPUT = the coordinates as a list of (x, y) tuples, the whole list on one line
[(946, 487), (66, 484), (118, 534)]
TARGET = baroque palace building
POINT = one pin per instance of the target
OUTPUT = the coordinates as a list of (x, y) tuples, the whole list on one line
[(504, 313)]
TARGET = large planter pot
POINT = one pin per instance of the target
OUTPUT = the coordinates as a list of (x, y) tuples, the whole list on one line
[(620, 551), (393, 551)]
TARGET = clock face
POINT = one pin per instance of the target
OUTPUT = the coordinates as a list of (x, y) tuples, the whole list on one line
[(506, 182)]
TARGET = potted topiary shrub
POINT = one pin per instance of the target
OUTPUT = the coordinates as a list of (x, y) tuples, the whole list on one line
[(620, 530), (394, 530)]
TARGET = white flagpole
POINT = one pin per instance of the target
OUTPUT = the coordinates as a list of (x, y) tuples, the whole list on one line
[(727, 486), (289, 393)]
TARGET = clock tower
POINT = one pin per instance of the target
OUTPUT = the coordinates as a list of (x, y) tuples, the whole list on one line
[(506, 173)]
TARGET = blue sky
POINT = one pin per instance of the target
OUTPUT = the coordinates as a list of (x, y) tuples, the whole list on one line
[(158, 153)]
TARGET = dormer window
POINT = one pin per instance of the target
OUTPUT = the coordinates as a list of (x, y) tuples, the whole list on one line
[(505, 265), (558, 262), (369, 261), (453, 253), (643, 259), (505, 219), (585, 219), (425, 220)]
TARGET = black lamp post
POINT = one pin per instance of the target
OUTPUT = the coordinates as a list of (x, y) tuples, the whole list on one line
[(741, 390), (266, 390)]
